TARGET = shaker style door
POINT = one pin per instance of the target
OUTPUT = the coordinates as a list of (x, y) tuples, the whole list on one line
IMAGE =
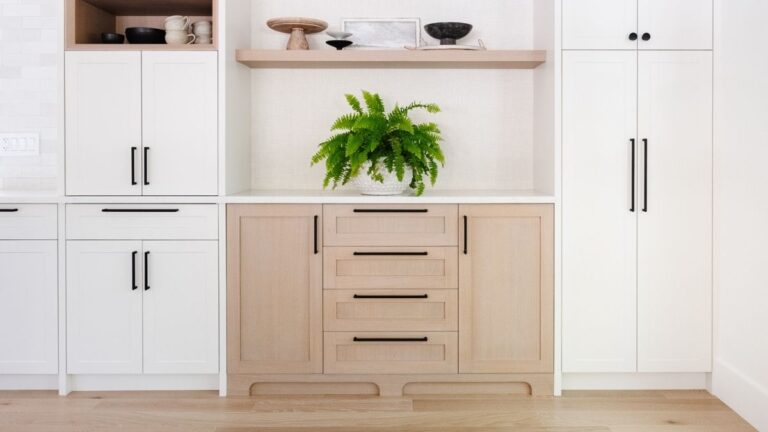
[(675, 24), (180, 123), (103, 123), (600, 24)]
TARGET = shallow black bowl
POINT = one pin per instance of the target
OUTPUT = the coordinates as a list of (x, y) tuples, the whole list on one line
[(112, 38), (145, 35), (339, 44), (448, 32)]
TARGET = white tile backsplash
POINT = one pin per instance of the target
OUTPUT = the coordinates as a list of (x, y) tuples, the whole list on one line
[(30, 89)]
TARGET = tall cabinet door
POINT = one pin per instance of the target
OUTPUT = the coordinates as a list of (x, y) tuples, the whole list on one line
[(675, 24), (274, 289), (180, 123), (181, 307), (675, 224), (28, 307), (103, 123), (506, 274), (599, 215), (599, 24), (104, 298)]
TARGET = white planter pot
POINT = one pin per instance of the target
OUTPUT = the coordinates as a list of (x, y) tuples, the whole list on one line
[(391, 185)]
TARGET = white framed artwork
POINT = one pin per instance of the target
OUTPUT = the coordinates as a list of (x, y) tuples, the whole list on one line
[(383, 32)]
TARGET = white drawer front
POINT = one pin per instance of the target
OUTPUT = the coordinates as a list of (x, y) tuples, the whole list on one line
[(28, 222), (142, 222)]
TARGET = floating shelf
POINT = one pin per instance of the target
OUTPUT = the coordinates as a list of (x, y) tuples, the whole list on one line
[(488, 59), (140, 47)]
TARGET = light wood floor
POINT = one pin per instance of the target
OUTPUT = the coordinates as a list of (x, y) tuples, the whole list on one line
[(645, 411)]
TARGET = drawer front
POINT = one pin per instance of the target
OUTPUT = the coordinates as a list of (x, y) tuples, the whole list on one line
[(391, 310), (388, 225), (391, 353), (390, 267), (142, 222), (28, 222)]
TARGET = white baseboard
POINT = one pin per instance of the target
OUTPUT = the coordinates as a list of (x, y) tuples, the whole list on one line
[(29, 382), (745, 396), (635, 381), (142, 382)]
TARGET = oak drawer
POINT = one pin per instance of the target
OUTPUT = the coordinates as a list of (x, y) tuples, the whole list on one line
[(390, 267), (390, 310), (390, 225), (28, 222), (142, 221), (390, 353)]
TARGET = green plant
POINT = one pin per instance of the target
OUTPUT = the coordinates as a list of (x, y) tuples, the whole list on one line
[(388, 140)]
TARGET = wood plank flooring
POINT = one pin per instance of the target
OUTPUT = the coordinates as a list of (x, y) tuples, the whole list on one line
[(641, 411)]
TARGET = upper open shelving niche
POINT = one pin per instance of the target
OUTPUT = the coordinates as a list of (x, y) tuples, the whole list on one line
[(329, 59)]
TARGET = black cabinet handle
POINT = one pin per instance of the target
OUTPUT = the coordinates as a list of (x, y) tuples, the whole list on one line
[(133, 270), (645, 175), (632, 205), (382, 339), (390, 253), (393, 296), (646, 37), (133, 166), (111, 210), (315, 235), (9, 210), (146, 271), (466, 236), (633, 36), (390, 211), (146, 174)]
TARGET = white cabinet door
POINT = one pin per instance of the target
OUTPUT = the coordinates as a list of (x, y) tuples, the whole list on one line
[(103, 123), (675, 24), (104, 307), (181, 320), (28, 307), (599, 228), (599, 24), (675, 233), (180, 123)]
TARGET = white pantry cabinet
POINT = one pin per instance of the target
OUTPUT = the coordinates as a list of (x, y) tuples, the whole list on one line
[(141, 123), (600, 24)]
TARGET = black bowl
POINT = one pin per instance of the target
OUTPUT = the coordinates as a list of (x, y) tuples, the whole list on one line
[(339, 44), (112, 38), (448, 32), (145, 35)]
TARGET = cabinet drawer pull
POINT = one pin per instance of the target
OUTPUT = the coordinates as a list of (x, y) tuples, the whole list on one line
[(315, 235), (390, 211), (133, 271), (466, 235), (390, 253), (9, 210), (109, 210), (133, 166), (645, 175), (146, 271), (394, 296), (378, 339), (146, 173), (632, 175)]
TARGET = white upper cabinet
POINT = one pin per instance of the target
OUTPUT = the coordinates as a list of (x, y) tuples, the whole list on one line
[(103, 123), (599, 225), (675, 24), (600, 24), (180, 123)]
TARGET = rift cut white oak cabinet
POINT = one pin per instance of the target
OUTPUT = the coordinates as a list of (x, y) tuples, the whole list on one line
[(141, 123), (637, 24)]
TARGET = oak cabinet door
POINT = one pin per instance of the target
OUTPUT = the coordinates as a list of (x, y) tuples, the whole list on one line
[(600, 24), (506, 289), (675, 24), (274, 285)]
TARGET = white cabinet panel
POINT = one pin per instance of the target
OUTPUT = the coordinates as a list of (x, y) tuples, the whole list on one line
[(599, 228), (104, 307), (181, 307), (675, 24), (599, 24), (28, 307), (28, 222), (675, 246), (180, 123), (103, 123)]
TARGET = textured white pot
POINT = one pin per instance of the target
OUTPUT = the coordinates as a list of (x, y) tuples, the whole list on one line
[(391, 186)]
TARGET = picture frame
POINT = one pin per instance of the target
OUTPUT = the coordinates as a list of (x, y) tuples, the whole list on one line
[(383, 33)]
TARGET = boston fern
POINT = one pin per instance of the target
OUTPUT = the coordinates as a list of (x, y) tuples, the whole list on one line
[(389, 141)]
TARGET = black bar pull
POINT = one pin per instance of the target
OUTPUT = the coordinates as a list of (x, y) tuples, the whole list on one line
[(383, 339), (133, 270), (133, 166), (390, 253), (632, 205), (645, 175), (111, 210), (466, 236), (315, 234), (393, 296), (146, 173), (9, 210), (146, 271), (390, 210)]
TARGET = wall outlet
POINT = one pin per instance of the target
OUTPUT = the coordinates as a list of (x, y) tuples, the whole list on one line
[(19, 144)]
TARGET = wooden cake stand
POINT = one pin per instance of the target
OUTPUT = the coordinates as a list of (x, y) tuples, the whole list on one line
[(298, 28)]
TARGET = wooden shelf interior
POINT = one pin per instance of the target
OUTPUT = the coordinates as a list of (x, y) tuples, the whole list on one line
[(491, 59), (88, 19)]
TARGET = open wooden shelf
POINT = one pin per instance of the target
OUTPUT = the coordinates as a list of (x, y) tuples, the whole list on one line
[(489, 59)]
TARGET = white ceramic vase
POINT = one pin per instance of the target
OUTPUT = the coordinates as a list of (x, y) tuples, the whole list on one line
[(391, 186)]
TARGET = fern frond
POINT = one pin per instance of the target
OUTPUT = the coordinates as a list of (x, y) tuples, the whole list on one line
[(345, 122), (373, 102), (354, 102)]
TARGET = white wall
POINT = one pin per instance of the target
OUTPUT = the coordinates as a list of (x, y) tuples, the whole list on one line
[(740, 376), (30, 61)]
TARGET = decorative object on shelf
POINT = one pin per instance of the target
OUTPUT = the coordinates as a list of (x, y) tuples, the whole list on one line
[(338, 35), (339, 44), (298, 27), (179, 37), (384, 32), (112, 38), (145, 35), (479, 47), (381, 147), (448, 32), (203, 31), (177, 22)]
